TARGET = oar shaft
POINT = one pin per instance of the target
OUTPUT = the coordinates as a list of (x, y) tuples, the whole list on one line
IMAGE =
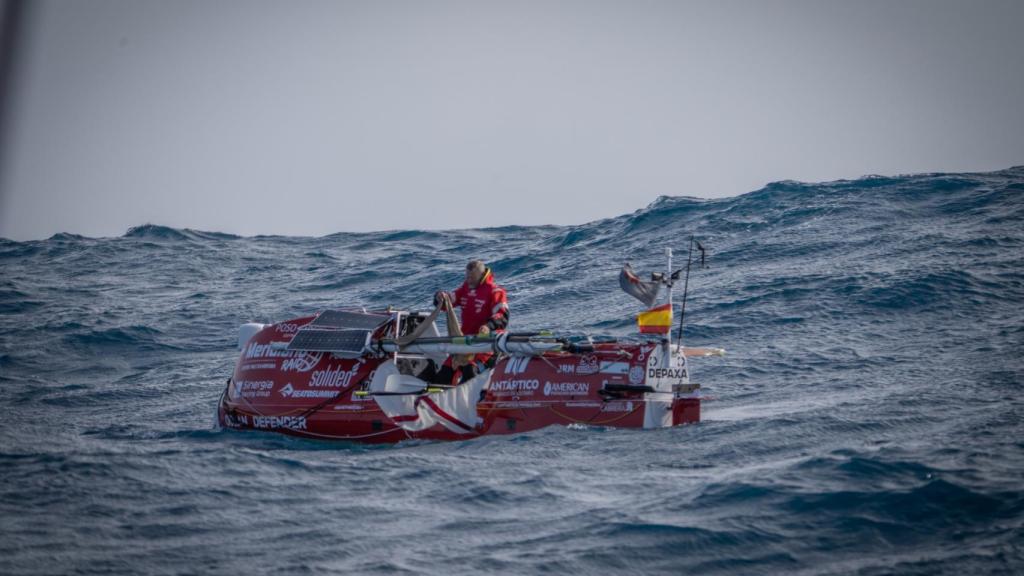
[(506, 343)]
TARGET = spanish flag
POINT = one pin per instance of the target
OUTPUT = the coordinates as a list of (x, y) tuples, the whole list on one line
[(657, 320)]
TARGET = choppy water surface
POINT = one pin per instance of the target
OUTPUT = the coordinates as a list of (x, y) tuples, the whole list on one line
[(867, 419)]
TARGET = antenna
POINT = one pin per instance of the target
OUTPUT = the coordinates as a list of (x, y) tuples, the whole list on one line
[(686, 288)]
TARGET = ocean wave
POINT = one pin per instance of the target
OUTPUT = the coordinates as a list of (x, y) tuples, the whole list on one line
[(864, 419), (156, 232)]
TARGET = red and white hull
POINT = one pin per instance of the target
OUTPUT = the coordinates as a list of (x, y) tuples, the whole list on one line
[(327, 396)]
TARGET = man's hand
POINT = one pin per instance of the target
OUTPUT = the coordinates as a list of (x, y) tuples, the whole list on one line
[(441, 298), (484, 331)]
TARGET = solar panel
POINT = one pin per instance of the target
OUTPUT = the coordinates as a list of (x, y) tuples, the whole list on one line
[(338, 341), (339, 319)]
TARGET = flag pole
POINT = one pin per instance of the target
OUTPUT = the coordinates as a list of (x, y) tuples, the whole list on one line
[(668, 278), (686, 287)]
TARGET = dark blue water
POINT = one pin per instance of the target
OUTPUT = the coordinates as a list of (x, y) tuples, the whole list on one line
[(867, 419)]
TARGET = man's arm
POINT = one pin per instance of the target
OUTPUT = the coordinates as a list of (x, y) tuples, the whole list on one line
[(499, 311)]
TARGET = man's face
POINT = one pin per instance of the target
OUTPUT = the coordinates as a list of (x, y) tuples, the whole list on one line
[(473, 277)]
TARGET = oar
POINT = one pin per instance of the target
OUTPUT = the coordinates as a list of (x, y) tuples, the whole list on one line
[(428, 390)]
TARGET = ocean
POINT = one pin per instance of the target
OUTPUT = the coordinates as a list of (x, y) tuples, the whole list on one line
[(867, 418)]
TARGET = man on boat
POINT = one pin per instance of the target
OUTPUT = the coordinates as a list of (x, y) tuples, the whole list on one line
[(484, 307)]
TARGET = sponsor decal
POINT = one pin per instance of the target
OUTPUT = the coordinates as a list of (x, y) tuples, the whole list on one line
[(290, 392), (258, 366), (517, 387), (588, 365), (644, 351), (582, 404), (636, 374), (566, 388), (663, 372), (618, 407), (517, 365), (566, 368), (253, 388), (235, 420), (255, 351), (302, 363), (286, 328), (517, 405), (296, 360), (615, 368), (333, 378), (272, 422), (670, 373)]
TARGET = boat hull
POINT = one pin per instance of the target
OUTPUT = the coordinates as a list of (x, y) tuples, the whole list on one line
[(320, 395)]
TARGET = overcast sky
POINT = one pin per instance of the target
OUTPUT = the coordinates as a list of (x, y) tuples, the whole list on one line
[(308, 118)]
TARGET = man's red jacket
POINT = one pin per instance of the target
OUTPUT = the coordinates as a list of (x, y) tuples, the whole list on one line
[(485, 305)]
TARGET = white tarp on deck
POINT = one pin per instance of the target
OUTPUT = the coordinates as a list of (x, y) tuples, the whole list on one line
[(455, 408)]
